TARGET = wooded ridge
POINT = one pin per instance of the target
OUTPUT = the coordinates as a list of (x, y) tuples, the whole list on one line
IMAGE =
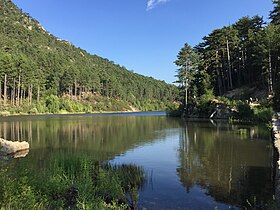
[(36, 67)]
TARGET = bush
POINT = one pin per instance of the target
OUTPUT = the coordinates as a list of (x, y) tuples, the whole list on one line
[(33, 111), (52, 103), (41, 107), (208, 96), (276, 98), (67, 105), (263, 114), (244, 112)]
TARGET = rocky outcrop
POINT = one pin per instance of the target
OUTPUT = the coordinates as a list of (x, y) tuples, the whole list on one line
[(13, 148), (276, 136)]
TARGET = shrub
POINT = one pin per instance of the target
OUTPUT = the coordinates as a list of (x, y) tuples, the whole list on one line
[(41, 107), (263, 114), (52, 103), (33, 111), (244, 112), (67, 105), (208, 96)]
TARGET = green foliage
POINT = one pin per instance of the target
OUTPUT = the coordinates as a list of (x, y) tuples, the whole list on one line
[(17, 193), (39, 66), (53, 104), (276, 98), (257, 113), (244, 111), (245, 53), (70, 183), (205, 106), (208, 96), (72, 106), (33, 111), (263, 114), (41, 107), (275, 13)]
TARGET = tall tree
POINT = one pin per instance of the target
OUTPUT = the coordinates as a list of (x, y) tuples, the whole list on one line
[(219, 53), (275, 13), (245, 64), (187, 62), (6, 66)]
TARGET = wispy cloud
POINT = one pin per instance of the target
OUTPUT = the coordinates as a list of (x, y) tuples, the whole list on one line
[(153, 3)]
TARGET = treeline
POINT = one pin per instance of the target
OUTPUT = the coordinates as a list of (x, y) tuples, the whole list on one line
[(245, 53), (34, 65)]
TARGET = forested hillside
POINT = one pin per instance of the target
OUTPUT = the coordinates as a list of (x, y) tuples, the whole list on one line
[(37, 69), (244, 55)]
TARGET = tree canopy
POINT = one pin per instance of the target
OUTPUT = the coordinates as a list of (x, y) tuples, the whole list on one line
[(245, 53), (35, 64)]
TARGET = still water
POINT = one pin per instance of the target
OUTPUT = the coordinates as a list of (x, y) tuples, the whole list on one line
[(188, 165)]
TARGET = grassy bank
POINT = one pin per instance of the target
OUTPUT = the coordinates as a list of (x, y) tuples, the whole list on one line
[(71, 183)]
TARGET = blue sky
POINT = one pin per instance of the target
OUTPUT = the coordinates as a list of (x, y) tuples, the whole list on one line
[(142, 35)]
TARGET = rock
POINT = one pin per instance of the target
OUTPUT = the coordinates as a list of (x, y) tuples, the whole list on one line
[(19, 154), (12, 147)]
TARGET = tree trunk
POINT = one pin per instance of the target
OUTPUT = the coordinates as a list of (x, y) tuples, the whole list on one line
[(224, 76), (5, 90), (229, 66), (80, 93), (13, 93), (218, 75), (38, 94), (186, 88), (22, 95), (270, 83), (239, 70), (30, 94), (18, 91), (244, 73), (70, 91), (75, 88)]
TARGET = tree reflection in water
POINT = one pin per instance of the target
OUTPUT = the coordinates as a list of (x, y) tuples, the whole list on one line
[(235, 167), (233, 163)]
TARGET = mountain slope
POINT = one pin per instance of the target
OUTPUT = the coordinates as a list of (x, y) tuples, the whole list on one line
[(36, 64)]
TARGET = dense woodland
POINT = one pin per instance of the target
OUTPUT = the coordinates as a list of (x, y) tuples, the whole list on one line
[(39, 68), (245, 55)]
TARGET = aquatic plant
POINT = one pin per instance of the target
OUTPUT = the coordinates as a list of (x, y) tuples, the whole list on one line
[(71, 182)]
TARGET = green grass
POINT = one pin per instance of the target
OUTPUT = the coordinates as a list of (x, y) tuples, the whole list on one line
[(71, 182)]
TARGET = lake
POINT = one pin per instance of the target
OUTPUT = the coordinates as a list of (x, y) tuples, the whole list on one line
[(198, 164)]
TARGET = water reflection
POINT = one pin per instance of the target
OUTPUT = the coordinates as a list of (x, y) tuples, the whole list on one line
[(233, 166), (106, 136)]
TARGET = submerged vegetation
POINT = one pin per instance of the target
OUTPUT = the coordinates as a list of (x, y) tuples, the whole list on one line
[(71, 183)]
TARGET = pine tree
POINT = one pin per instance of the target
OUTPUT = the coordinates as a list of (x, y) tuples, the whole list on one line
[(275, 13)]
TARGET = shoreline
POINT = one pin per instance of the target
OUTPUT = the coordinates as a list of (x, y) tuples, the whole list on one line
[(76, 113), (276, 141)]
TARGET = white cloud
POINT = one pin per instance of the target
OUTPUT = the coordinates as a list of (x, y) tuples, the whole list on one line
[(153, 3)]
